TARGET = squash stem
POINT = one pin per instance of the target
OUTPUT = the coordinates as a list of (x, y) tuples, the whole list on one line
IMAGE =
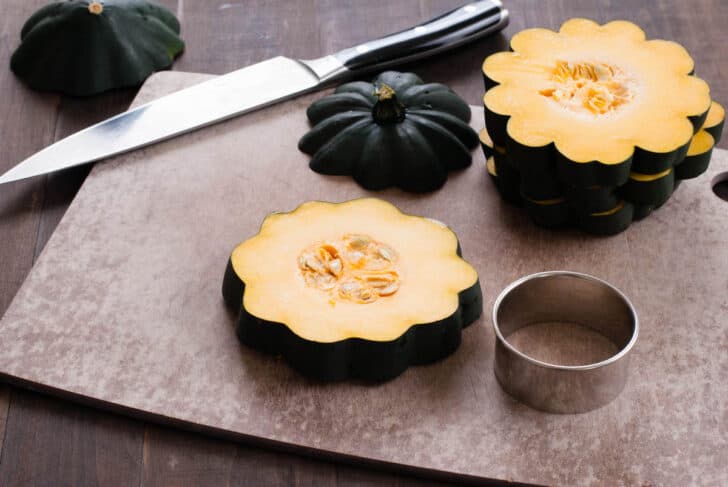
[(96, 7), (387, 109)]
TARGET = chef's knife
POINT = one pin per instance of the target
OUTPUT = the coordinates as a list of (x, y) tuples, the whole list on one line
[(257, 86)]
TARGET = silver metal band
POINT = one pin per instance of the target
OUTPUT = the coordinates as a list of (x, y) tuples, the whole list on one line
[(571, 297)]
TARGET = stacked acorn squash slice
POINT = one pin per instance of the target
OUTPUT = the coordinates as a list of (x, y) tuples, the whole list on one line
[(594, 126)]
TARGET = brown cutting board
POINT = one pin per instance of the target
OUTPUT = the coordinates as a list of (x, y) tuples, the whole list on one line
[(123, 310)]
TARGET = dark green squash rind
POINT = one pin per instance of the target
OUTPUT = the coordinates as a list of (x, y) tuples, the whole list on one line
[(539, 185), (328, 160), (698, 120), (653, 193), (451, 150), (507, 182), (581, 205), (335, 104), (464, 132), (552, 215), (373, 170), (496, 125), (437, 97), (419, 169), (608, 224), (642, 211), (499, 153), (328, 129), (583, 174), (694, 165), (353, 358), (716, 130), (488, 150), (594, 173), (647, 162), (595, 199)]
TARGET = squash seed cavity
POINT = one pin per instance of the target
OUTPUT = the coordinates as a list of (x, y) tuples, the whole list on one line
[(590, 87), (355, 268)]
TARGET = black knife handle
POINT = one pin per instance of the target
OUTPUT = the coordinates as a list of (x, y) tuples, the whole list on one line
[(451, 29)]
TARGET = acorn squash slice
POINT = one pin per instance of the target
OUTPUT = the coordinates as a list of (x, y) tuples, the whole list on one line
[(596, 102), (355, 289), (84, 47)]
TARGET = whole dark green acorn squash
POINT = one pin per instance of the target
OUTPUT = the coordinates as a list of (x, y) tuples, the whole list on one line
[(83, 47), (394, 131)]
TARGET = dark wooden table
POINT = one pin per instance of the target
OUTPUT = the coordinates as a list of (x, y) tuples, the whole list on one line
[(46, 441)]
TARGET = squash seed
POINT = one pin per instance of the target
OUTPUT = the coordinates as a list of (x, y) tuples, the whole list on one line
[(386, 253), (381, 280), (336, 267), (348, 288), (329, 251), (315, 265), (366, 295), (325, 281), (355, 268), (356, 258), (389, 290), (359, 241)]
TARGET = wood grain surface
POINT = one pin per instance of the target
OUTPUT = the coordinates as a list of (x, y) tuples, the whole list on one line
[(51, 442)]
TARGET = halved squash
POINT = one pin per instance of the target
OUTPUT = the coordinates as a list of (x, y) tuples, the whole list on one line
[(355, 289), (395, 131), (596, 102), (84, 47)]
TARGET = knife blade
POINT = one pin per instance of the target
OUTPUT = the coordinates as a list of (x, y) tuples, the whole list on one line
[(257, 86)]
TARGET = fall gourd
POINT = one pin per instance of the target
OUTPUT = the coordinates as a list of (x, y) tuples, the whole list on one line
[(598, 123), (82, 47), (395, 131), (355, 289)]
